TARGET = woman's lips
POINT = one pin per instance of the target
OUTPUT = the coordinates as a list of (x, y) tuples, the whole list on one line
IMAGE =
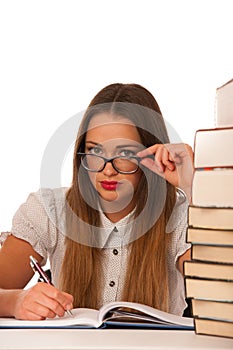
[(109, 185)]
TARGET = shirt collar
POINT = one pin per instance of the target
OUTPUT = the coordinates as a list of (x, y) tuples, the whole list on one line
[(113, 233), (118, 234)]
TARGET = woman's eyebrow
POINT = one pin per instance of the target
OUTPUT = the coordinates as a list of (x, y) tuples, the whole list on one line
[(117, 147), (129, 145), (94, 143)]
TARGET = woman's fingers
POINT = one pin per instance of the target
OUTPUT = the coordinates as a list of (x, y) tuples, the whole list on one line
[(162, 158), (174, 162), (42, 301)]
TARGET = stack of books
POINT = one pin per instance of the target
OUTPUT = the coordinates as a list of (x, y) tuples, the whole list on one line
[(209, 274)]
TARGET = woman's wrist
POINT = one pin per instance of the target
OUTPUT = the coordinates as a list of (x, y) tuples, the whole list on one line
[(187, 192), (8, 301)]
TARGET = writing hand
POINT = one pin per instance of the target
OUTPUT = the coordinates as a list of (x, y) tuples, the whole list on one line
[(41, 301)]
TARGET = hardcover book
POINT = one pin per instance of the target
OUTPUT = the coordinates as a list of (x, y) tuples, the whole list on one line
[(208, 289), (213, 188), (219, 253), (210, 217), (213, 309), (213, 148), (208, 326), (209, 270), (224, 105), (209, 236)]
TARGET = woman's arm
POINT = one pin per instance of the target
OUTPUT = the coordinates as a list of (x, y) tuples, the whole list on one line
[(15, 269), (40, 301), (184, 257)]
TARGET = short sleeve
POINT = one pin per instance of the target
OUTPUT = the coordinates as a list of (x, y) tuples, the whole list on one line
[(179, 243), (180, 240), (32, 223), (3, 237)]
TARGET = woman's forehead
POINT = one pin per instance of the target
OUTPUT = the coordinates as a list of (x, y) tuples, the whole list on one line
[(101, 119), (102, 129)]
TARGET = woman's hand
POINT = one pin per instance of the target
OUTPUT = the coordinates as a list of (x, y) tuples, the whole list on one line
[(39, 302), (174, 162)]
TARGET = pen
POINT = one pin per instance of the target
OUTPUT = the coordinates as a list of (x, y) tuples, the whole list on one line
[(43, 277)]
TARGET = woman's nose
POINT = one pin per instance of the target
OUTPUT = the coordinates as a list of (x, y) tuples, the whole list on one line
[(109, 170)]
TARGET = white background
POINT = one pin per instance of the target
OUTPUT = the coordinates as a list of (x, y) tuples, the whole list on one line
[(56, 55)]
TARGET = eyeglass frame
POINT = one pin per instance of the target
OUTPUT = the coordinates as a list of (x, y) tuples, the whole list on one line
[(111, 160)]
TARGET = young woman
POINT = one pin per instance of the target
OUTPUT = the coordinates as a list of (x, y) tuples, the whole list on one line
[(118, 232)]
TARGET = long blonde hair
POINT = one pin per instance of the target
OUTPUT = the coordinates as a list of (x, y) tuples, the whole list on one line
[(147, 271)]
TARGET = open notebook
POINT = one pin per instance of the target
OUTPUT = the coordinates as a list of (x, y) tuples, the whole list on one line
[(117, 314)]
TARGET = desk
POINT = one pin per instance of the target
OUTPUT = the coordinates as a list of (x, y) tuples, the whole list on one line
[(86, 339)]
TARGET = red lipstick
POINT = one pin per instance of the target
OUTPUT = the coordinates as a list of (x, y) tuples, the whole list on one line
[(109, 185)]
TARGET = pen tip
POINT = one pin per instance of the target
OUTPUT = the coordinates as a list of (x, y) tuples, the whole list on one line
[(69, 312)]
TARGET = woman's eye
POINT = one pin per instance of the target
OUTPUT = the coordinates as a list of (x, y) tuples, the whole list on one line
[(95, 150), (126, 153)]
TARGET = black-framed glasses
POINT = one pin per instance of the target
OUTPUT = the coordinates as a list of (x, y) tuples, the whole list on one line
[(122, 164)]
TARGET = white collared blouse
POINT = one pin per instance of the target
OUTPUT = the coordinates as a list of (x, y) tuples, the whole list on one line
[(40, 222)]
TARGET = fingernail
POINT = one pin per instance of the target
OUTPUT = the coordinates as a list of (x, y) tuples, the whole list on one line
[(171, 167), (69, 307)]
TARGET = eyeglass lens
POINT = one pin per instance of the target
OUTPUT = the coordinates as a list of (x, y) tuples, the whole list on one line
[(96, 163)]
